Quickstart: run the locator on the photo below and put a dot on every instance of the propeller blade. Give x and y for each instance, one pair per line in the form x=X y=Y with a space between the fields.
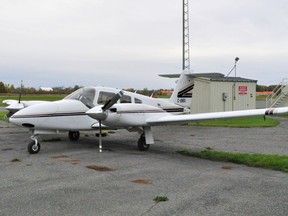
x=98 y=112
x=100 y=136
x=112 y=101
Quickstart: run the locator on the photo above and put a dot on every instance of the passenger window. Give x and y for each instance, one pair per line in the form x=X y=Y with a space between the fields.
x=104 y=97
x=125 y=99
x=138 y=101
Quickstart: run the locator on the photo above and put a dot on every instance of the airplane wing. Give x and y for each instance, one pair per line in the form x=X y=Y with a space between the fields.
x=9 y=102
x=14 y=105
x=175 y=119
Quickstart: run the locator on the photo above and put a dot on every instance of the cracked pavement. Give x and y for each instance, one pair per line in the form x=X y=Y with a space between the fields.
x=56 y=181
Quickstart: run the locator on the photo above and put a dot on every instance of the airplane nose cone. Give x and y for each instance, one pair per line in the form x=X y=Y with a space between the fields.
x=57 y=115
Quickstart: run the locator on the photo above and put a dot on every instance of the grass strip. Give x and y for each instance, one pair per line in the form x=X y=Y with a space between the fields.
x=247 y=122
x=27 y=97
x=273 y=162
x=3 y=116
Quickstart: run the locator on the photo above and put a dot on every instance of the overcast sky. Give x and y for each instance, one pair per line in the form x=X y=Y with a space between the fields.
x=127 y=43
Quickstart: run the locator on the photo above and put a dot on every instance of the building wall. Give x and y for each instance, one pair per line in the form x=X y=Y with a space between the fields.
x=245 y=99
x=201 y=96
x=217 y=91
x=208 y=96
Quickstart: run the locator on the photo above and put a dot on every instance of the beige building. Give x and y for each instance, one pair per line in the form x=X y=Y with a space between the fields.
x=218 y=94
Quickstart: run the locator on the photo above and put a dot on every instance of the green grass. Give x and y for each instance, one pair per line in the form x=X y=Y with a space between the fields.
x=284 y=115
x=161 y=199
x=274 y=162
x=44 y=97
x=15 y=160
x=261 y=97
x=3 y=116
x=247 y=122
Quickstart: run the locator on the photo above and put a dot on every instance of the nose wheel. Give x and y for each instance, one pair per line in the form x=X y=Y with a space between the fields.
x=34 y=146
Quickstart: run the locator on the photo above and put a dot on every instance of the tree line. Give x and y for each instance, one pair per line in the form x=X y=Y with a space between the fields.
x=10 y=89
x=7 y=88
x=263 y=88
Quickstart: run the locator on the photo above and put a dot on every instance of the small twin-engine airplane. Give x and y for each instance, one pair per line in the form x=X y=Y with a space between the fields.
x=94 y=108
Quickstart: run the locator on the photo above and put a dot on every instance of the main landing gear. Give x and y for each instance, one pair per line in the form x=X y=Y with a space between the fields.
x=74 y=135
x=142 y=145
x=34 y=146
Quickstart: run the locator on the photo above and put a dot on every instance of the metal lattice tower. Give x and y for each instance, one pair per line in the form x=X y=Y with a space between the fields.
x=186 y=51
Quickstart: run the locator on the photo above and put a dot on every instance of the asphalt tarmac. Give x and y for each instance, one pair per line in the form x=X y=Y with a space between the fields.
x=56 y=181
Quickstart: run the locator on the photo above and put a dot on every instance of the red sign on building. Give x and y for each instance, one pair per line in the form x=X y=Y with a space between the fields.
x=242 y=90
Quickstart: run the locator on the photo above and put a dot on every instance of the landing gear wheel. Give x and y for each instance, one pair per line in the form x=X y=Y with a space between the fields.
x=33 y=147
x=74 y=135
x=142 y=146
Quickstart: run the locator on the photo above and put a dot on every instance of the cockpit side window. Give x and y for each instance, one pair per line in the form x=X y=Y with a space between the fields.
x=125 y=99
x=85 y=95
x=138 y=101
x=104 y=97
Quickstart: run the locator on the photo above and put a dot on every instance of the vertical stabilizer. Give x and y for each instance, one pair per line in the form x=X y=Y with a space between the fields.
x=182 y=94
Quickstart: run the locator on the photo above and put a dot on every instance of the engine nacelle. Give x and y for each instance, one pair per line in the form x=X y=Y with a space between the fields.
x=129 y=115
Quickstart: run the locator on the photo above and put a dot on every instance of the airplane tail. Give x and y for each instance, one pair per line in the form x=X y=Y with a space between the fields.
x=182 y=94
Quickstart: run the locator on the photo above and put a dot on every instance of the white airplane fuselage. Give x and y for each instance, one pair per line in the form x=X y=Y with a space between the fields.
x=69 y=114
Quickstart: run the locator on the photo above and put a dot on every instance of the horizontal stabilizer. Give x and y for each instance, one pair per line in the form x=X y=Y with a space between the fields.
x=193 y=75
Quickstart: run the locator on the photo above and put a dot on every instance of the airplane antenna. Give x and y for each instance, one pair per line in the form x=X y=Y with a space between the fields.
x=186 y=50
x=20 y=93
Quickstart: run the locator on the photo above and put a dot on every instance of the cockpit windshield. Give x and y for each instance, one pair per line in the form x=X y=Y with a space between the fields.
x=85 y=95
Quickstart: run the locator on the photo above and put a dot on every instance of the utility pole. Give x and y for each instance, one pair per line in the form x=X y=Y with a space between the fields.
x=186 y=51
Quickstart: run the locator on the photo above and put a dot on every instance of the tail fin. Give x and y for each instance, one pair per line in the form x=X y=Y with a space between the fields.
x=182 y=94
x=183 y=91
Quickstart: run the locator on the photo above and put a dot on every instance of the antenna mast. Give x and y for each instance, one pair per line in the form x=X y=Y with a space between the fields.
x=186 y=51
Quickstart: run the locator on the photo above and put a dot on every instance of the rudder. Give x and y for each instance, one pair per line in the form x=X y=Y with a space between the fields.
x=183 y=92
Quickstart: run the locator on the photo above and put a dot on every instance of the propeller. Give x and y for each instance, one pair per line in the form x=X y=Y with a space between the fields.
x=99 y=113
x=112 y=101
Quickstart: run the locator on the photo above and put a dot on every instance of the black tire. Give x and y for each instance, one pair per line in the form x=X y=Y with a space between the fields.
x=33 y=148
x=142 y=146
x=74 y=135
